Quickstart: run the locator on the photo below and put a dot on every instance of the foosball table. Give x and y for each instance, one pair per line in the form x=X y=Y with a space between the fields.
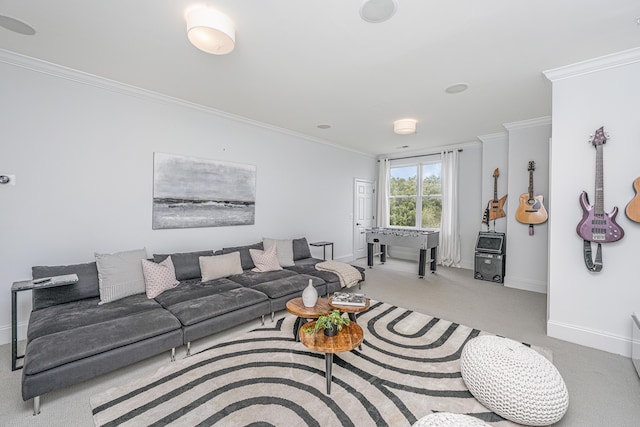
x=419 y=239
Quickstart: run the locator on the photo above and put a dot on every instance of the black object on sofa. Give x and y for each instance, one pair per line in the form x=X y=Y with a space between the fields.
x=71 y=338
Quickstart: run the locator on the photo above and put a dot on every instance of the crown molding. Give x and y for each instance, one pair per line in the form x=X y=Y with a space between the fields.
x=524 y=124
x=594 y=65
x=62 y=72
x=494 y=137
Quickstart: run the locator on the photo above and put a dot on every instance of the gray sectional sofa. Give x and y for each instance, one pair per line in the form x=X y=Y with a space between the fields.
x=71 y=338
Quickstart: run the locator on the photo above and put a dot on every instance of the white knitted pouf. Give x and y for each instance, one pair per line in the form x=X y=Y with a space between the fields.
x=514 y=381
x=447 y=419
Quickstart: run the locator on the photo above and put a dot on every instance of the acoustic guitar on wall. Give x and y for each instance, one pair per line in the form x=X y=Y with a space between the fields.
x=531 y=209
x=496 y=206
x=633 y=208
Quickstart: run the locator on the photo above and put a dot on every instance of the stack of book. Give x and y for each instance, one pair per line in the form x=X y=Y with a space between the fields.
x=344 y=298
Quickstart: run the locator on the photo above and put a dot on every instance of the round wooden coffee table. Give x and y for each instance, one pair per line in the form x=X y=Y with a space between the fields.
x=297 y=308
x=347 y=339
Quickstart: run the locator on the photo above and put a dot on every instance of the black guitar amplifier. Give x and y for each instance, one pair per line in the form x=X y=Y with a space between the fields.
x=489 y=267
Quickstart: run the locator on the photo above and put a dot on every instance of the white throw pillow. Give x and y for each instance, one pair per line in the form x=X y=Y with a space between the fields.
x=265 y=260
x=217 y=266
x=120 y=274
x=159 y=277
x=284 y=250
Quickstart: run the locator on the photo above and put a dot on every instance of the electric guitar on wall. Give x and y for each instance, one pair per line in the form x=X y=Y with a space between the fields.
x=496 y=205
x=531 y=210
x=597 y=225
x=633 y=208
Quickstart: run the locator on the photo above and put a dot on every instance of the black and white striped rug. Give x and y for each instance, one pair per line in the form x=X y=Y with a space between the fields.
x=408 y=367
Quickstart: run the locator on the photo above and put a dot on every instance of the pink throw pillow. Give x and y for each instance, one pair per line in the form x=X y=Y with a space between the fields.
x=159 y=277
x=265 y=260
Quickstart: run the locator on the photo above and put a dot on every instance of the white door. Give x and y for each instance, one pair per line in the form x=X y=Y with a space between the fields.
x=364 y=217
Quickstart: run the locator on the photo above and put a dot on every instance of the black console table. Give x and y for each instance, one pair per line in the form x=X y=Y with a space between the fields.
x=27 y=285
x=324 y=248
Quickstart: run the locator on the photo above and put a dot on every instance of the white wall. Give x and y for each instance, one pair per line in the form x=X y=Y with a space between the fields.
x=588 y=308
x=82 y=152
x=526 y=266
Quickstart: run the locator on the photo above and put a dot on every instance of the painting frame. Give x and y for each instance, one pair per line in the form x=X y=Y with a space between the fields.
x=193 y=192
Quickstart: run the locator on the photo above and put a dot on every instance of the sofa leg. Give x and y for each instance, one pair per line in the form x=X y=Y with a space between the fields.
x=36 y=405
x=189 y=349
x=272 y=316
x=173 y=354
x=263 y=320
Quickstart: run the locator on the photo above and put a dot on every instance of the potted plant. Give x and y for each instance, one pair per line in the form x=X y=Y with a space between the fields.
x=331 y=322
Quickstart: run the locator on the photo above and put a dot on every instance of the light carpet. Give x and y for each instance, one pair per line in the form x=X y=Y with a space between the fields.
x=408 y=367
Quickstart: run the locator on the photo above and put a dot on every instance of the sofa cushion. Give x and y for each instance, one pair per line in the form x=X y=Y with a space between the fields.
x=196 y=310
x=187 y=264
x=87 y=286
x=284 y=250
x=218 y=266
x=159 y=277
x=251 y=278
x=245 y=257
x=266 y=260
x=120 y=274
x=85 y=312
x=287 y=285
x=301 y=249
x=193 y=289
x=56 y=349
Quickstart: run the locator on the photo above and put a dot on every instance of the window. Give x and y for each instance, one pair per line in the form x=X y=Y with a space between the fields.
x=406 y=182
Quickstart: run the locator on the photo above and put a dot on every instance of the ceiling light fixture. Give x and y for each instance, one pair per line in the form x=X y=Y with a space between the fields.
x=405 y=126
x=17 y=26
x=324 y=126
x=210 y=31
x=376 y=11
x=457 y=88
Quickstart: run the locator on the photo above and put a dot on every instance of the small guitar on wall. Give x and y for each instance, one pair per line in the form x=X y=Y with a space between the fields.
x=531 y=210
x=597 y=225
x=633 y=208
x=496 y=206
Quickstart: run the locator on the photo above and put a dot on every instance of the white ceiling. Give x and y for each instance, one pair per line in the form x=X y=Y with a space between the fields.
x=300 y=63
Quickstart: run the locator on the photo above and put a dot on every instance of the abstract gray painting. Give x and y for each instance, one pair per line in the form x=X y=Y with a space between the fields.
x=190 y=192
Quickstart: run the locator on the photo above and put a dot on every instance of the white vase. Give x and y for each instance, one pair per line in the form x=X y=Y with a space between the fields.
x=309 y=295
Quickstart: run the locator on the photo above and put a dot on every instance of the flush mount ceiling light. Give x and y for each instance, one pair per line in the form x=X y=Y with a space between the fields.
x=17 y=26
x=376 y=11
x=210 y=31
x=457 y=88
x=405 y=126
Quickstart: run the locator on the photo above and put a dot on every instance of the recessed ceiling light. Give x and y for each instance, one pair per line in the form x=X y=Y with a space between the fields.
x=324 y=126
x=17 y=26
x=402 y=146
x=376 y=11
x=457 y=88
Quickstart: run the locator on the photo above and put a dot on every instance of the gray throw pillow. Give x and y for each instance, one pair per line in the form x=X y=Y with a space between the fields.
x=215 y=267
x=301 y=249
x=245 y=256
x=187 y=264
x=120 y=274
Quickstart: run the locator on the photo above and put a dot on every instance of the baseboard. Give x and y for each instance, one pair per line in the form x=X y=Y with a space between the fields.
x=5 y=332
x=590 y=338
x=526 y=284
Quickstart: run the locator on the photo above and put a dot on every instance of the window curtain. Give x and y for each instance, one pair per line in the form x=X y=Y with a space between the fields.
x=383 y=193
x=449 y=250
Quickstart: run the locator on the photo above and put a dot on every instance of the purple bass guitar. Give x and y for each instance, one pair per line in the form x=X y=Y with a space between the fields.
x=597 y=225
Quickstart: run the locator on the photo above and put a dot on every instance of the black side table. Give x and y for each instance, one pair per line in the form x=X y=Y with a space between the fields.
x=324 y=248
x=26 y=285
